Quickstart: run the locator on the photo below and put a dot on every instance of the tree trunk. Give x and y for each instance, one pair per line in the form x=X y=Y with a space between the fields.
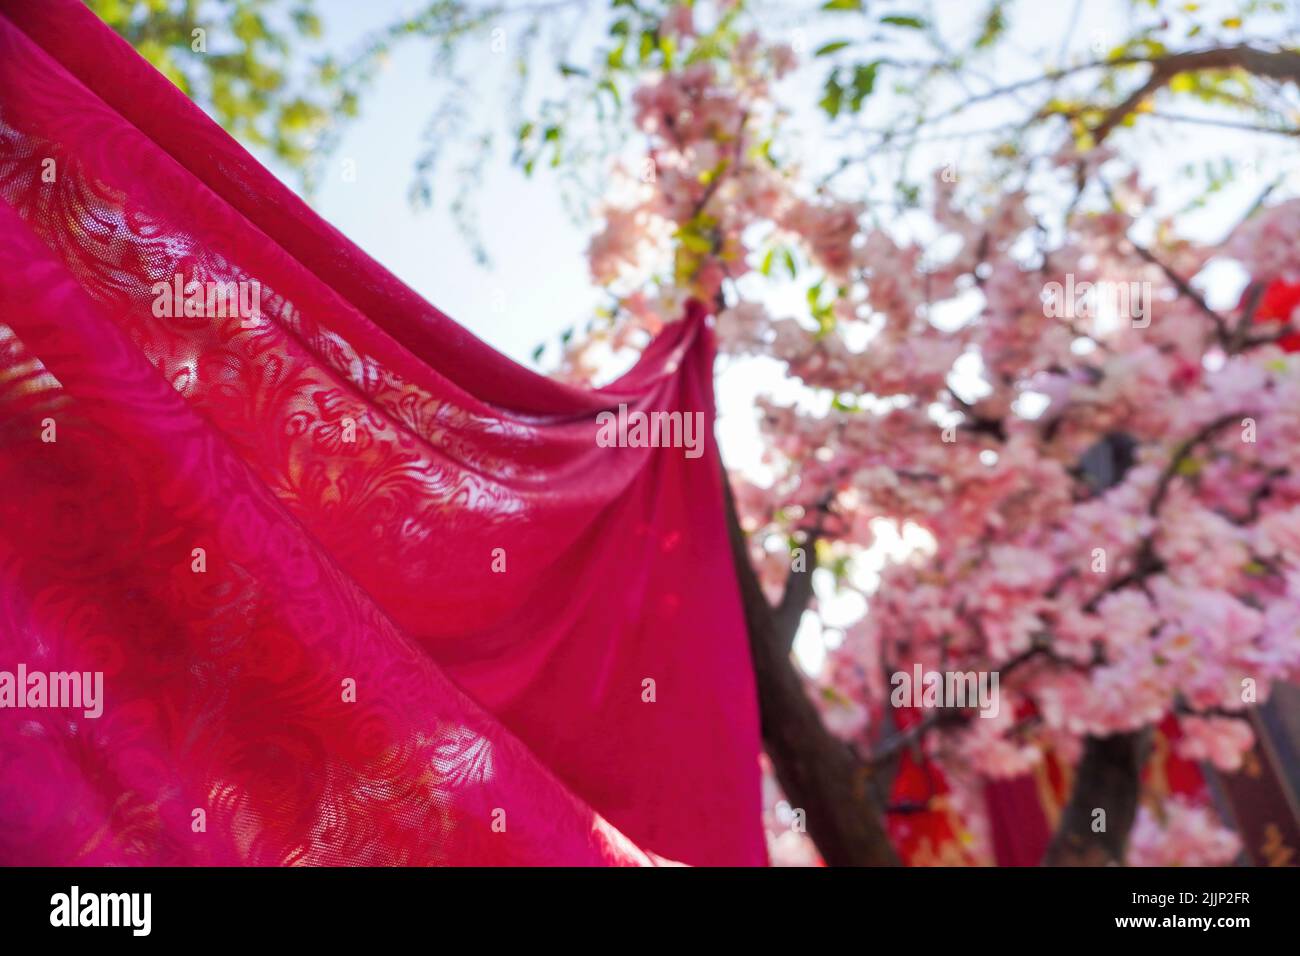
x=1109 y=774
x=819 y=773
x=1107 y=779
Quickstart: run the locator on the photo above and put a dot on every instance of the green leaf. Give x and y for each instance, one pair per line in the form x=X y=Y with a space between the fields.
x=812 y=294
x=864 y=81
x=609 y=87
x=833 y=47
x=833 y=99
x=695 y=242
x=842 y=5
x=668 y=47
x=308 y=23
x=912 y=23
x=995 y=24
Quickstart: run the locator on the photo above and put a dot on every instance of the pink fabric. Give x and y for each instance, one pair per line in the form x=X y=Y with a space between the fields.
x=482 y=696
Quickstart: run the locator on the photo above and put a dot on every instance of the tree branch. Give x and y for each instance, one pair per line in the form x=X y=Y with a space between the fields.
x=1280 y=65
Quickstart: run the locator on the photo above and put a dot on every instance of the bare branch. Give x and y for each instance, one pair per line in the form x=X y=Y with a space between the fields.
x=1280 y=65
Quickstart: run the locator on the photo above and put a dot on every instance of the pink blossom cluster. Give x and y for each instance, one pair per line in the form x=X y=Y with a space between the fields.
x=1220 y=741
x=1269 y=244
x=1105 y=609
x=1188 y=835
x=1105 y=603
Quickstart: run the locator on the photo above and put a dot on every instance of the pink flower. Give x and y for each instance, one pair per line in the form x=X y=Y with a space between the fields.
x=986 y=745
x=679 y=22
x=616 y=248
x=1187 y=835
x=743 y=327
x=1268 y=244
x=828 y=230
x=1222 y=741
x=783 y=59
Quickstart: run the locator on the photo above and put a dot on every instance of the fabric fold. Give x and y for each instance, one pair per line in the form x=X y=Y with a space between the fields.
x=360 y=589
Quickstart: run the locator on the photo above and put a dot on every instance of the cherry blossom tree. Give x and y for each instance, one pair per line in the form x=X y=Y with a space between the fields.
x=1101 y=464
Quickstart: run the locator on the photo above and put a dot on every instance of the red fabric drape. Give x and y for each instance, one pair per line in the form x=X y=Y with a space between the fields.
x=360 y=589
x=1018 y=824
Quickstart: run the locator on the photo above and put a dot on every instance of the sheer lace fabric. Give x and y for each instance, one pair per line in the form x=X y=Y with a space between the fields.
x=360 y=589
